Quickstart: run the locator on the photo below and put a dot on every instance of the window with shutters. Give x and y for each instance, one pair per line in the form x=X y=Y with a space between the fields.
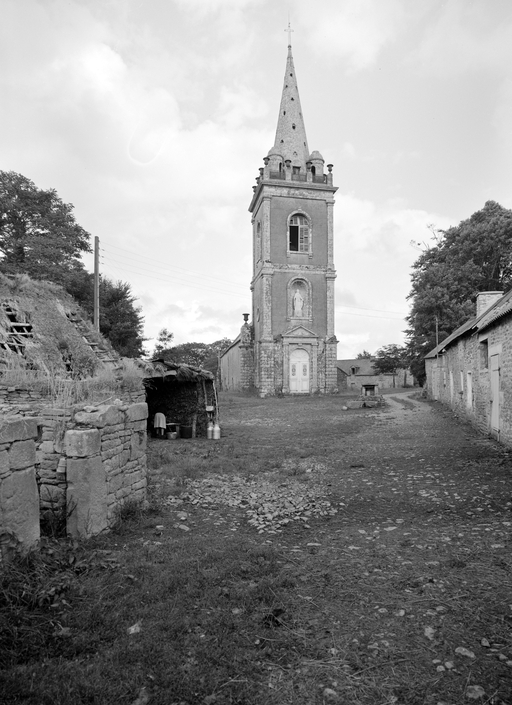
x=299 y=234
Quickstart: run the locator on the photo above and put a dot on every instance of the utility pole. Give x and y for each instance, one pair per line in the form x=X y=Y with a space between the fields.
x=97 y=283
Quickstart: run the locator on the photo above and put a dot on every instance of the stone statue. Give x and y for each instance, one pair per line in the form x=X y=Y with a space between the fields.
x=298 y=303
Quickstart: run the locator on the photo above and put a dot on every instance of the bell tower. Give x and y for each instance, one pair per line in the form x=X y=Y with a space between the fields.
x=293 y=260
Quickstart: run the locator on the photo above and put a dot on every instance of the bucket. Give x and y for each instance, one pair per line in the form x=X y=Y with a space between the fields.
x=186 y=431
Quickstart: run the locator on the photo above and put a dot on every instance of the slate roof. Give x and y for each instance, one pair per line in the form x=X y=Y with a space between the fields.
x=365 y=365
x=500 y=308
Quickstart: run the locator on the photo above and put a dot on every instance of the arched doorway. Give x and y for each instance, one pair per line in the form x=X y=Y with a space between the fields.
x=299 y=372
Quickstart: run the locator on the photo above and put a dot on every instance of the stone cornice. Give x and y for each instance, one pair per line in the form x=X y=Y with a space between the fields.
x=291 y=189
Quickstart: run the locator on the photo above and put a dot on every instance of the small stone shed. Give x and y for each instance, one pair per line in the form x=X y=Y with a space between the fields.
x=185 y=394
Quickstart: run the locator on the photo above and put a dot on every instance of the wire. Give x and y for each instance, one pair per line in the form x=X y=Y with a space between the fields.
x=193 y=285
x=186 y=271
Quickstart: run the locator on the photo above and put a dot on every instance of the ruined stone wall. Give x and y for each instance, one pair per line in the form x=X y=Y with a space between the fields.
x=91 y=460
x=81 y=464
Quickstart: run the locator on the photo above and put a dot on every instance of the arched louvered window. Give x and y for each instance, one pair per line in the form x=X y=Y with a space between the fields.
x=299 y=234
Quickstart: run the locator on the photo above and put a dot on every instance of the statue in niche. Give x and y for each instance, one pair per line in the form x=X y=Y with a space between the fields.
x=298 y=304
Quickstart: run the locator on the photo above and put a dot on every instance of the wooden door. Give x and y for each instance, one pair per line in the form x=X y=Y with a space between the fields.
x=299 y=372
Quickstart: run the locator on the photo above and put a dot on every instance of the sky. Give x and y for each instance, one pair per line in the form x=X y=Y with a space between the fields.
x=152 y=117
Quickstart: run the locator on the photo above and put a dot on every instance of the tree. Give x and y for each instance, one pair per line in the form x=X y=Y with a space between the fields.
x=163 y=342
x=474 y=256
x=40 y=236
x=196 y=354
x=390 y=358
x=121 y=321
x=38 y=231
x=364 y=355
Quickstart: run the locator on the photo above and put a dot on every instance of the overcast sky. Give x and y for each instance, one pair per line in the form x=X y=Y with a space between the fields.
x=153 y=116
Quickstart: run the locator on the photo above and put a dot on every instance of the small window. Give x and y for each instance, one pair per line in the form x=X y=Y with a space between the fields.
x=296 y=169
x=298 y=234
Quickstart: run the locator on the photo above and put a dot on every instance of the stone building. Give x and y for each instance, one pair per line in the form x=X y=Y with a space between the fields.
x=290 y=347
x=471 y=370
x=359 y=375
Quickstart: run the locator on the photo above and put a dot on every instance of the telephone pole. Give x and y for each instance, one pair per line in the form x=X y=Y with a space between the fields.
x=97 y=283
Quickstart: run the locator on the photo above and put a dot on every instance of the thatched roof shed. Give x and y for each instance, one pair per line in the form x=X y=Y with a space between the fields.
x=184 y=393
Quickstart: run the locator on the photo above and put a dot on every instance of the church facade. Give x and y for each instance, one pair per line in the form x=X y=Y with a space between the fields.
x=290 y=345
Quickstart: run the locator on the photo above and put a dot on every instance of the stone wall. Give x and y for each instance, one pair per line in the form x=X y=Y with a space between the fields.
x=461 y=378
x=19 y=498
x=79 y=465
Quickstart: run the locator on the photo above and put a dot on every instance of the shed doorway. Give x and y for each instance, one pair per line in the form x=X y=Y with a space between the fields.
x=299 y=372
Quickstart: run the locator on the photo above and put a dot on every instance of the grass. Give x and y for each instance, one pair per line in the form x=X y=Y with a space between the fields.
x=220 y=614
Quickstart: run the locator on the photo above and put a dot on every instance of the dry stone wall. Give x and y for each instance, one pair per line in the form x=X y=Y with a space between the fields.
x=81 y=463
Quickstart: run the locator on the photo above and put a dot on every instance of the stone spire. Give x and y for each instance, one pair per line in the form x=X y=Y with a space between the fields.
x=291 y=141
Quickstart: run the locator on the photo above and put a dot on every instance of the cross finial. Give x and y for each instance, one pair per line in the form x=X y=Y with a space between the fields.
x=289 y=30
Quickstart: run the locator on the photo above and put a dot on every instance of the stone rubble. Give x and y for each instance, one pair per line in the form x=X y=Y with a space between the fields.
x=269 y=503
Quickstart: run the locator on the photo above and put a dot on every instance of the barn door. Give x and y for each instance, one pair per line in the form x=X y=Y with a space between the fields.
x=495 y=395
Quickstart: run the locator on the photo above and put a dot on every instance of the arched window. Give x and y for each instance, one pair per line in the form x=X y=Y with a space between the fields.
x=299 y=234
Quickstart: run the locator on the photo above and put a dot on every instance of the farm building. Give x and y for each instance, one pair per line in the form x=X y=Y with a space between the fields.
x=471 y=370
x=359 y=375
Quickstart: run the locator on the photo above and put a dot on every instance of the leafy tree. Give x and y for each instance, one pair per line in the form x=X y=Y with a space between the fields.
x=121 y=321
x=364 y=355
x=474 y=256
x=163 y=342
x=196 y=354
x=38 y=231
x=390 y=358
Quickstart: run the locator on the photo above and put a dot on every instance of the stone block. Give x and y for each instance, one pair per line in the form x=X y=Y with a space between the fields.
x=22 y=454
x=105 y=415
x=124 y=457
x=138 y=445
x=82 y=443
x=16 y=428
x=4 y=462
x=140 y=485
x=138 y=425
x=115 y=483
x=52 y=496
x=136 y=412
x=19 y=506
x=86 y=497
x=47 y=447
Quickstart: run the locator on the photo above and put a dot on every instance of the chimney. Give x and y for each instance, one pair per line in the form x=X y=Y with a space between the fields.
x=485 y=299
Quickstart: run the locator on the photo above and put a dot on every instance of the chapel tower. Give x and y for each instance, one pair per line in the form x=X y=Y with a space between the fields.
x=294 y=344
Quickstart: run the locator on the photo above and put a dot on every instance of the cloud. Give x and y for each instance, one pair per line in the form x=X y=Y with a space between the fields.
x=464 y=37
x=355 y=30
x=373 y=257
